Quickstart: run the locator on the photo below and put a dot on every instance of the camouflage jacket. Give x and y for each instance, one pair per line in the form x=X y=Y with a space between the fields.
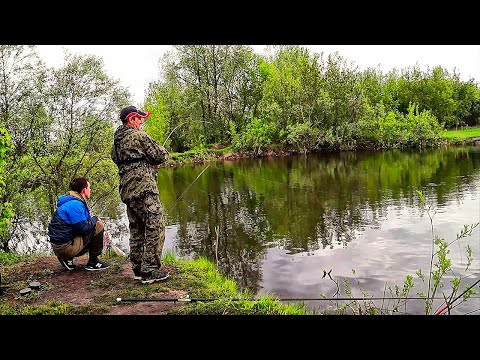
x=137 y=157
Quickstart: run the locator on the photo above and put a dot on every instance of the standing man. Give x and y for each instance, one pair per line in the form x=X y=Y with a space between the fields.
x=72 y=231
x=138 y=157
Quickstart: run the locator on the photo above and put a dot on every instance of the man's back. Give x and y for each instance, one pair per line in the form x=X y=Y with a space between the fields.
x=71 y=218
x=137 y=156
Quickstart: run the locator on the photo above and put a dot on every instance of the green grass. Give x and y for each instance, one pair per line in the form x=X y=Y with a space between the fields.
x=462 y=134
x=202 y=280
x=12 y=258
x=199 y=278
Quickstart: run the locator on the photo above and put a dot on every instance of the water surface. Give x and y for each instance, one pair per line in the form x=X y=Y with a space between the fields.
x=274 y=225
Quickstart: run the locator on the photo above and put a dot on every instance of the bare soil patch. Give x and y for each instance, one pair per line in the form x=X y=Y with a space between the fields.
x=80 y=287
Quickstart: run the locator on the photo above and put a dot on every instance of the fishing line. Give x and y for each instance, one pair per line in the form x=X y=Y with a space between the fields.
x=180 y=197
x=263 y=179
x=471 y=312
x=183 y=123
x=188 y=182
x=219 y=169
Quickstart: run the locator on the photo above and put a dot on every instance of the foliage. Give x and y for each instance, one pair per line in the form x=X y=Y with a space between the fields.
x=61 y=128
x=20 y=80
x=203 y=278
x=291 y=86
x=300 y=87
x=9 y=258
x=208 y=283
x=6 y=208
x=156 y=124
x=394 y=303
x=312 y=100
x=78 y=134
x=451 y=101
x=261 y=306
x=256 y=137
x=301 y=136
x=205 y=87
x=394 y=130
x=51 y=308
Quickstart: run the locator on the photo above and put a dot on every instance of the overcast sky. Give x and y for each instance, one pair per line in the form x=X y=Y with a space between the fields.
x=137 y=65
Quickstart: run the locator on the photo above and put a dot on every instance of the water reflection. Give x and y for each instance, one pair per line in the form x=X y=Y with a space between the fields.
x=341 y=211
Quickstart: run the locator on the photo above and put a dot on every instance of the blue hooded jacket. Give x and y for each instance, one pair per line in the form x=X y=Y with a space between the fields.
x=72 y=218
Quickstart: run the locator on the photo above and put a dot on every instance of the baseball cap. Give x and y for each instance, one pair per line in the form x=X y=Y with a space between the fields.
x=132 y=111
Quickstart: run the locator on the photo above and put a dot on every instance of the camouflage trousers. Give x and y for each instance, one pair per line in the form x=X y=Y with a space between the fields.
x=147 y=233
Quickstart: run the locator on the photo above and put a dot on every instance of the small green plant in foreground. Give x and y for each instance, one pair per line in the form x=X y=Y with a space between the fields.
x=398 y=297
x=440 y=265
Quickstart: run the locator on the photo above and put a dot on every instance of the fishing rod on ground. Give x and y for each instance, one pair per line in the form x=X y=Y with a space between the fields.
x=448 y=305
x=471 y=312
x=186 y=298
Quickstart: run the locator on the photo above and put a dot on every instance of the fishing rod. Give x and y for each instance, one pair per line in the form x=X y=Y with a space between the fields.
x=107 y=239
x=458 y=297
x=186 y=298
x=107 y=236
x=471 y=312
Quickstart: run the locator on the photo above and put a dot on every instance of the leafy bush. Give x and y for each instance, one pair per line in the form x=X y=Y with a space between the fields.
x=255 y=138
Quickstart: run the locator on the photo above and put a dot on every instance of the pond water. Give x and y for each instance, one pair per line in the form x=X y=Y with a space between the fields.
x=278 y=225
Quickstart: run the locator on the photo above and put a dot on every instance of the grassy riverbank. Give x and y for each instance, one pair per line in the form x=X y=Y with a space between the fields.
x=462 y=136
x=194 y=287
x=214 y=152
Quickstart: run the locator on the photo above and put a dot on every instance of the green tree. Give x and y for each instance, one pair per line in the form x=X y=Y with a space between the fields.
x=75 y=129
x=453 y=102
x=6 y=209
x=21 y=85
x=62 y=123
x=211 y=89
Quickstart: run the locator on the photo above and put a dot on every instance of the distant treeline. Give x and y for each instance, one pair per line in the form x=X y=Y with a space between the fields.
x=56 y=124
x=295 y=99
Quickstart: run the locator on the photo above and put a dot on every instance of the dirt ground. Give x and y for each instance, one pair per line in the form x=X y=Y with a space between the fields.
x=75 y=287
